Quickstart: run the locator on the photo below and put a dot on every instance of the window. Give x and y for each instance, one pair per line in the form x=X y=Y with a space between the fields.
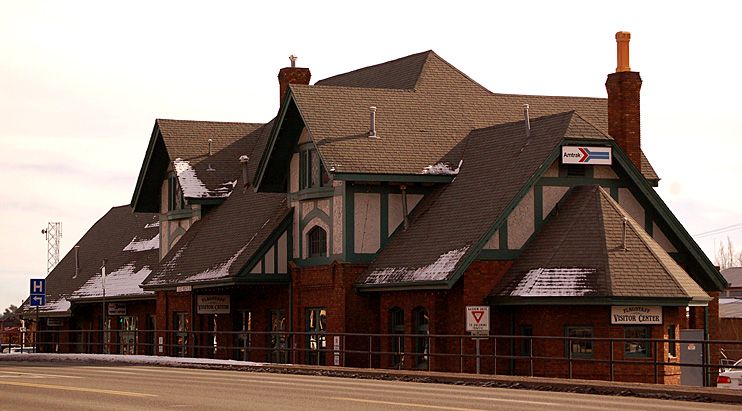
x=396 y=326
x=316 y=339
x=672 y=350
x=422 y=343
x=576 y=170
x=317 y=238
x=579 y=347
x=312 y=172
x=175 y=199
x=525 y=345
x=637 y=343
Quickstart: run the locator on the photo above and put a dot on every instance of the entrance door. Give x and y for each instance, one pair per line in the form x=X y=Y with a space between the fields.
x=316 y=339
x=278 y=337
x=128 y=335
x=691 y=353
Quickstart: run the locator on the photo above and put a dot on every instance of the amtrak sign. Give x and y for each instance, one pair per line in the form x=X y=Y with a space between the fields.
x=587 y=155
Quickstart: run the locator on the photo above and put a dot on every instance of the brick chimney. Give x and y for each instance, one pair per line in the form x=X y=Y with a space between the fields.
x=623 y=102
x=291 y=75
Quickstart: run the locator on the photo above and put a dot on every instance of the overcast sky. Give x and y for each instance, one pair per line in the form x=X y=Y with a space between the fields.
x=81 y=84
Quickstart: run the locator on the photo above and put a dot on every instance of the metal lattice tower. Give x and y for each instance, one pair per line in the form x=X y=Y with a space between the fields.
x=53 y=233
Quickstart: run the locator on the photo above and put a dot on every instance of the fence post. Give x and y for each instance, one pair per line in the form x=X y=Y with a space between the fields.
x=612 y=360
x=569 y=357
x=656 y=359
x=530 y=356
x=369 y=351
x=461 y=355
x=344 y=350
x=494 y=355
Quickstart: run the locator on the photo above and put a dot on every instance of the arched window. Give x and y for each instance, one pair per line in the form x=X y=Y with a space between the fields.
x=422 y=342
x=396 y=326
x=317 y=239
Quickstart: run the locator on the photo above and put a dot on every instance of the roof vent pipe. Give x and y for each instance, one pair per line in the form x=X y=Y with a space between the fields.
x=77 y=261
x=372 y=128
x=209 y=168
x=406 y=221
x=245 y=182
x=623 y=241
x=527 y=119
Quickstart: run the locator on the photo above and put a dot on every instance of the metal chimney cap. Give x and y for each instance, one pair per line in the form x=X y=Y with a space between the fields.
x=293 y=60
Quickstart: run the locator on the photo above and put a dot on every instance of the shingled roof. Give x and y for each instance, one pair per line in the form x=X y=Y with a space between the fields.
x=425 y=108
x=497 y=163
x=581 y=251
x=185 y=145
x=130 y=244
x=216 y=248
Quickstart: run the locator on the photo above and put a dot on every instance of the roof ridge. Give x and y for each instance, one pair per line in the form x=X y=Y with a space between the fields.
x=589 y=123
x=209 y=121
x=381 y=89
x=375 y=66
x=466 y=76
x=641 y=234
x=550 y=96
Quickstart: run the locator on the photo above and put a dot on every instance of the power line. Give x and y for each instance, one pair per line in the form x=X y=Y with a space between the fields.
x=719 y=230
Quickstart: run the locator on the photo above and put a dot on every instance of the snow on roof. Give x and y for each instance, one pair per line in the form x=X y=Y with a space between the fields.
x=193 y=187
x=143 y=245
x=443 y=168
x=437 y=271
x=61 y=305
x=121 y=282
x=554 y=282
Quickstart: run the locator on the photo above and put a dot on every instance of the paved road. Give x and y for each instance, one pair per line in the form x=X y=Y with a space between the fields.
x=79 y=387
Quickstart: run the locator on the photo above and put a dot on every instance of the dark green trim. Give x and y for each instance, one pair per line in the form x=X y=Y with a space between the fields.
x=503 y=236
x=179 y=214
x=263 y=164
x=614 y=193
x=397 y=178
x=145 y=166
x=420 y=285
x=663 y=212
x=580 y=181
x=206 y=201
x=312 y=193
x=348 y=222
x=271 y=241
x=538 y=207
x=311 y=261
x=485 y=254
x=659 y=301
x=648 y=219
x=384 y=220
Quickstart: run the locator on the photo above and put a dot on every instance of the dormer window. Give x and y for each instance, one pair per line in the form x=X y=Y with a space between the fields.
x=175 y=200
x=317 y=238
x=312 y=172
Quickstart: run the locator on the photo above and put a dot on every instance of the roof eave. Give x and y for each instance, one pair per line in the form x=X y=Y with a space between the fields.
x=406 y=286
x=600 y=300
x=394 y=178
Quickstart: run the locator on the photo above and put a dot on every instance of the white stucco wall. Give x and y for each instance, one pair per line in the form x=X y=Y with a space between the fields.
x=395 y=209
x=553 y=170
x=270 y=267
x=551 y=196
x=629 y=203
x=294 y=173
x=605 y=172
x=662 y=239
x=521 y=222
x=367 y=215
x=494 y=242
x=337 y=224
x=283 y=254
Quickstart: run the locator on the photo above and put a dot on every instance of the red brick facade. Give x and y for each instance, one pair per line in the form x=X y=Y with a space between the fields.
x=623 y=112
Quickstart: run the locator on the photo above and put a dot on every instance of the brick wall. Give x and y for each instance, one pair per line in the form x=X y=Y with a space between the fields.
x=623 y=112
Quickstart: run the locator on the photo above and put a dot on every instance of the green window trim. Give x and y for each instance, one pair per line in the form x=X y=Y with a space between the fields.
x=637 y=344
x=581 y=347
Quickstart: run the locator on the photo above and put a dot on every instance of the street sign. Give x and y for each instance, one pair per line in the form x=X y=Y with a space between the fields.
x=478 y=320
x=38 y=292
x=38 y=286
x=38 y=300
x=587 y=155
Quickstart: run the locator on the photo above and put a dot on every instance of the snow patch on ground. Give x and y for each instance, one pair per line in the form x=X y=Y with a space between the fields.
x=125 y=359
x=143 y=245
x=554 y=282
x=437 y=271
x=121 y=282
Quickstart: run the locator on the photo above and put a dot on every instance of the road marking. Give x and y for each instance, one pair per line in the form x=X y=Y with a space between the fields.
x=79 y=389
x=404 y=404
x=19 y=374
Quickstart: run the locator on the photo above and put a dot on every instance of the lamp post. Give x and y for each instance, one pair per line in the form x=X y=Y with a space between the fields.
x=104 y=348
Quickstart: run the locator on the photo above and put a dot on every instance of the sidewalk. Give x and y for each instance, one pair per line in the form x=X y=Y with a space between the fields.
x=670 y=392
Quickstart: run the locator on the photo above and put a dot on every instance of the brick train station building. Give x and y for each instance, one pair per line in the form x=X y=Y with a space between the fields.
x=385 y=201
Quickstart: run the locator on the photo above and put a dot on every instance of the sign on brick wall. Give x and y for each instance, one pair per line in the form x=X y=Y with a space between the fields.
x=212 y=304
x=636 y=314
